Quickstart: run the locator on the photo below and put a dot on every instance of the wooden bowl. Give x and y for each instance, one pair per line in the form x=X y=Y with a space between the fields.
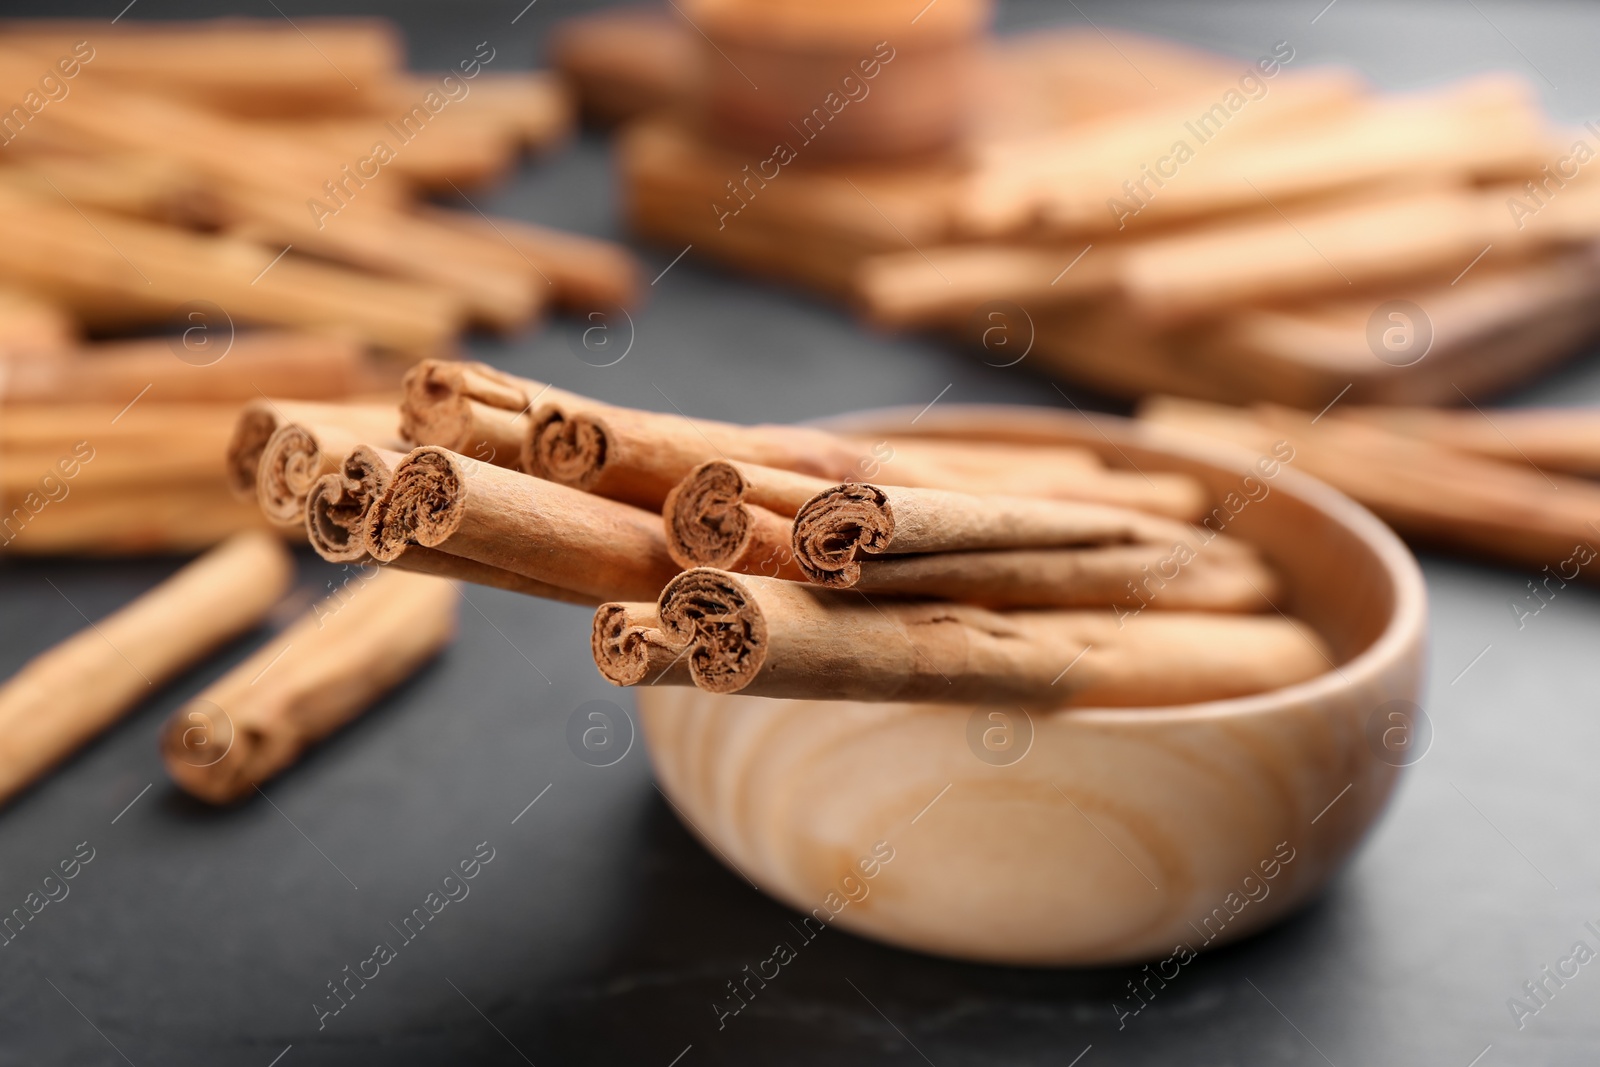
x=829 y=80
x=1116 y=834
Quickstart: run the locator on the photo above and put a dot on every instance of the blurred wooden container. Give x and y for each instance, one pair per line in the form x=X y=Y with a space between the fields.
x=839 y=79
x=1119 y=834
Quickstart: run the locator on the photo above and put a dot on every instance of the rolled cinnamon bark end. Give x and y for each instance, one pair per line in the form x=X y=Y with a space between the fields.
x=301 y=451
x=469 y=408
x=338 y=504
x=257 y=423
x=327 y=669
x=67 y=695
x=767 y=637
x=711 y=521
x=630 y=648
x=639 y=456
x=840 y=526
x=588 y=545
x=569 y=448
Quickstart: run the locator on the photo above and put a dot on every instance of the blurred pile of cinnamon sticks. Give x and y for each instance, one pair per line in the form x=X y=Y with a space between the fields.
x=1139 y=216
x=198 y=180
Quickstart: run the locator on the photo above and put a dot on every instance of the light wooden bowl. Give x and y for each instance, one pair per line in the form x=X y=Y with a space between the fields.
x=1122 y=833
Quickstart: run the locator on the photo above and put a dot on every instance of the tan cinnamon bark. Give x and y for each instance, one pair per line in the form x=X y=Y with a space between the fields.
x=33 y=326
x=1053 y=471
x=737 y=517
x=1430 y=494
x=768 y=637
x=310 y=444
x=298 y=366
x=471 y=408
x=630 y=648
x=1557 y=439
x=132 y=521
x=323 y=672
x=261 y=418
x=340 y=505
x=585 y=273
x=65 y=696
x=508 y=520
x=1019 y=552
x=49 y=249
x=638 y=456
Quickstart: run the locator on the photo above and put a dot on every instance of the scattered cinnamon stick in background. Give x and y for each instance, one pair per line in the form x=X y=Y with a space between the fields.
x=1430 y=493
x=767 y=637
x=295 y=366
x=325 y=670
x=64 y=697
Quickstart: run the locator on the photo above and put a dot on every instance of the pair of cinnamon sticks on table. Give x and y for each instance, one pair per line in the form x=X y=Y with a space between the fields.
x=995 y=587
x=255 y=720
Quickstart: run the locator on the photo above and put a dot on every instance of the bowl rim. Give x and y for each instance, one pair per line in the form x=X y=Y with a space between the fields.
x=1407 y=624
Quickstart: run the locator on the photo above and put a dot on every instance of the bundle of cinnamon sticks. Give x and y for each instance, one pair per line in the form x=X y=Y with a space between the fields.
x=789 y=560
x=1228 y=235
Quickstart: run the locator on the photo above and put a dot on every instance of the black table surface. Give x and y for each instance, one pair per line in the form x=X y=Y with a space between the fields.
x=601 y=932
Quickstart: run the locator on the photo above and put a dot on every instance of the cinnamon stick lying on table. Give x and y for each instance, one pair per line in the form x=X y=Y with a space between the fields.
x=510 y=521
x=586 y=273
x=299 y=366
x=1428 y=493
x=63 y=697
x=324 y=671
x=1559 y=439
x=768 y=637
x=340 y=505
x=1019 y=552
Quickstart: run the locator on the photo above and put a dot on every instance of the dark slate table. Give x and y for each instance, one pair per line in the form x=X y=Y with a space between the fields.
x=600 y=932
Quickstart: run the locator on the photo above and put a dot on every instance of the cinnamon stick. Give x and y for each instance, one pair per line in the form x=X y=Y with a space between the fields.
x=1433 y=495
x=631 y=649
x=768 y=637
x=470 y=408
x=261 y=418
x=324 y=671
x=1558 y=439
x=1018 y=552
x=508 y=520
x=737 y=517
x=67 y=695
x=585 y=273
x=340 y=505
x=311 y=445
x=291 y=365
